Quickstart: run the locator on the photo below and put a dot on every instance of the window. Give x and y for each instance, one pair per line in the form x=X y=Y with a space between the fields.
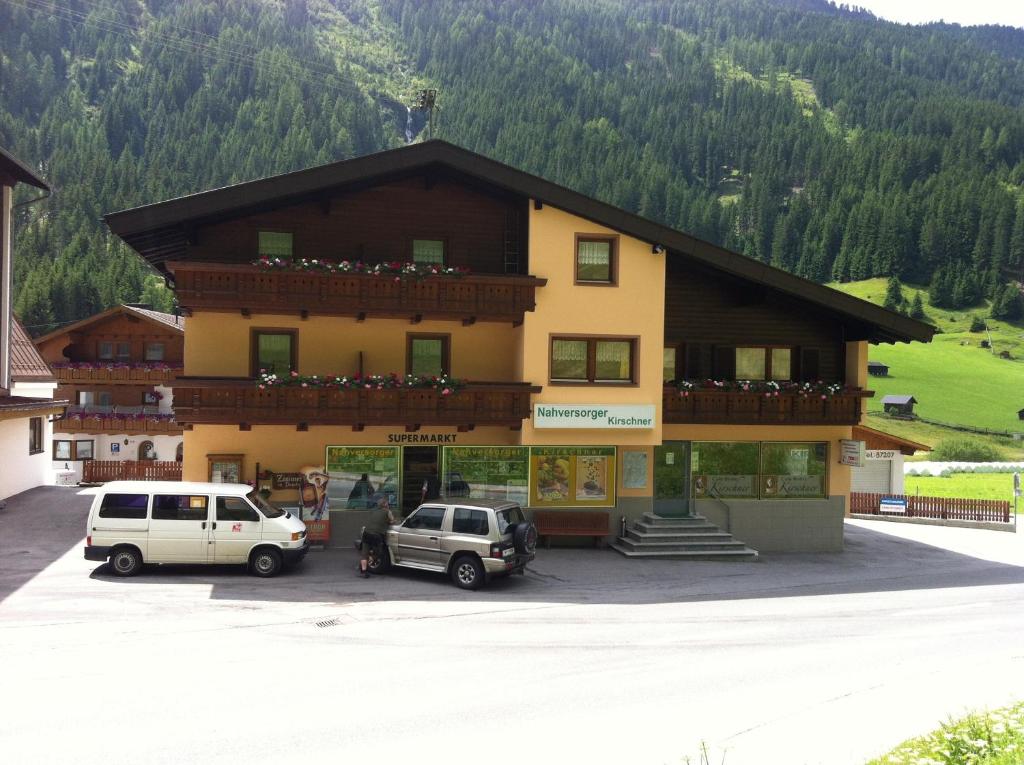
x=124 y=351
x=467 y=521
x=225 y=468
x=105 y=350
x=764 y=470
x=763 y=363
x=124 y=506
x=273 y=351
x=84 y=450
x=150 y=398
x=235 y=509
x=508 y=518
x=427 y=355
x=95 y=398
x=595 y=260
x=592 y=360
x=793 y=470
x=179 y=507
x=179 y=453
x=668 y=365
x=154 y=351
x=35 y=435
x=428 y=518
x=275 y=244
x=147 y=451
x=428 y=251
x=62 y=450
x=73 y=450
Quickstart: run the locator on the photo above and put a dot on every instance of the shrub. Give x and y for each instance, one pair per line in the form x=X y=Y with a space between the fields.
x=977 y=324
x=965 y=450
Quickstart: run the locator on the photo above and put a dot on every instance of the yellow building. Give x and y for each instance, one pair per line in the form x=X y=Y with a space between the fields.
x=439 y=321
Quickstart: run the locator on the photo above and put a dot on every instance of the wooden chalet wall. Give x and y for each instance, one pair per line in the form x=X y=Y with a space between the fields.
x=703 y=311
x=83 y=344
x=379 y=224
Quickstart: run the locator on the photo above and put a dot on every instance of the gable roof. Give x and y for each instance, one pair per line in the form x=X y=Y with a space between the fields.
x=160 y=232
x=162 y=320
x=895 y=399
x=26 y=363
x=877 y=439
x=876 y=365
x=14 y=170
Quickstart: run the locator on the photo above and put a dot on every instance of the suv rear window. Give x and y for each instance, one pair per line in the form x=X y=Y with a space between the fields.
x=509 y=517
x=124 y=506
x=469 y=521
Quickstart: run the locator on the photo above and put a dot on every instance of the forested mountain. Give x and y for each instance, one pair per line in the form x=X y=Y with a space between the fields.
x=817 y=138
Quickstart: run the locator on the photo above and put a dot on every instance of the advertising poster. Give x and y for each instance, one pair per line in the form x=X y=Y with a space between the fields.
x=634 y=470
x=566 y=476
x=360 y=476
x=313 y=493
x=486 y=472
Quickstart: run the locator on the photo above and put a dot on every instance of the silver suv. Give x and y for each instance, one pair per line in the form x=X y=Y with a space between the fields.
x=471 y=540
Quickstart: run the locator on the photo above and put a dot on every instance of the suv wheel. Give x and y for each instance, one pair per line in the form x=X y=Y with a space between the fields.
x=467 y=572
x=378 y=560
x=525 y=538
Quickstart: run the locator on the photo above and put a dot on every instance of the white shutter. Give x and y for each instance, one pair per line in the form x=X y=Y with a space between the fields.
x=875 y=477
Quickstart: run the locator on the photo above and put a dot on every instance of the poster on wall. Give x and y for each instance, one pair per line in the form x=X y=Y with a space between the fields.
x=634 y=470
x=487 y=472
x=360 y=476
x=313 y=492
x=566 y=476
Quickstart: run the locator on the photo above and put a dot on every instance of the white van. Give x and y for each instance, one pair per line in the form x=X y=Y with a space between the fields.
x=137 y=522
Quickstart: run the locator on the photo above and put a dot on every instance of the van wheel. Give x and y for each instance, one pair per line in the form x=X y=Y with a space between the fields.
x=265 y=562
x=467 y=572
x=126 y=561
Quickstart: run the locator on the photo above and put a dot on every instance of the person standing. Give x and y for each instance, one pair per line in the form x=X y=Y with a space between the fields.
x=431 y=486
x=374 y=534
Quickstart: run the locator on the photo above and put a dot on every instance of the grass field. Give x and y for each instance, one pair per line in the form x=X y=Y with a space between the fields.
x=964 y=485
x=931 y=435
x=953 y=379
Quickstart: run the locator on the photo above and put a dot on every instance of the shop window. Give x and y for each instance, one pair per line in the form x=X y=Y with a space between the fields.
x=154 y=351
x=595 y=260
x=225 y=468
x=725 y=470
x=179 y=507
x=793 y=470
x=763 y=363
x=62 y=450
x=428 y=251
x=105 y=350
x=273 y=351
x=35 y=435
x=592 y=360
x=147 y=451
x=765 y=470
x=124 y=506
x=428 y=355
x=95 y=398
x=275 y=244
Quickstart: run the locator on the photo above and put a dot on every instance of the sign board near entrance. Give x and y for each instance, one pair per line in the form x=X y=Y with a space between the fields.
x=892 y=505
x=594 y=416
x=851 y=452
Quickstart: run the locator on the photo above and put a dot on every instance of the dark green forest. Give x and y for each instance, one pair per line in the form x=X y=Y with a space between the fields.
x=819 y=139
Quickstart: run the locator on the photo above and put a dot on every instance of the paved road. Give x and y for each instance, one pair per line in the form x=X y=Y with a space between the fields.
x=589 y=657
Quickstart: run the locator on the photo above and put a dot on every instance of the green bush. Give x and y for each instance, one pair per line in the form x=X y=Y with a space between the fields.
x=977 y=324
x=965 y=450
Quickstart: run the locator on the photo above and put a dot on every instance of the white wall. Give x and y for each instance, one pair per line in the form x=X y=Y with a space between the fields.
x=34 y=389
x=166 y=450
x=20 y=471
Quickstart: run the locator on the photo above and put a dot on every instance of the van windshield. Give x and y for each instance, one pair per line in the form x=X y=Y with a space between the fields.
x=268 y=508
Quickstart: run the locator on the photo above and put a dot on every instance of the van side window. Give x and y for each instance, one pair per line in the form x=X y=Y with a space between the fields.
x=235 y=509
x=467 y=521
x=124 y=506
x=179 y=507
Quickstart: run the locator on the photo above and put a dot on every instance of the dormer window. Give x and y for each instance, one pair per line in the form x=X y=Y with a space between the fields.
x=275 y=244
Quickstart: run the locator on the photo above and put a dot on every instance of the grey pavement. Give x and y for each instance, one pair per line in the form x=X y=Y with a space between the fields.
x=824 y=658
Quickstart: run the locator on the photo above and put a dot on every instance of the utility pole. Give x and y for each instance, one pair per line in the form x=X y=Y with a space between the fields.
x=427 y=101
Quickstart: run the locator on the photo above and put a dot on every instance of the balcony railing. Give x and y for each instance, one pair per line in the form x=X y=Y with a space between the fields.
x=742 y=408
x=117 y=419
x=101 y=471
x=246 y=288
x=241 y=401
x=115 y=373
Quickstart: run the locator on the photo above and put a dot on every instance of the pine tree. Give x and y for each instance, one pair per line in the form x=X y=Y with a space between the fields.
x=894 y=294
x=917 y=307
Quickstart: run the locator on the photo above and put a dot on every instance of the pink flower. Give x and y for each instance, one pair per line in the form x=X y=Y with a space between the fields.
x=294 y=373
x=823 y=396
x=263 y=387
x=446 y=391
x=304 y=385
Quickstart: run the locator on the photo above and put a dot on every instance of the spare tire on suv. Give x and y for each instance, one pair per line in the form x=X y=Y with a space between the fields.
x=525 y=538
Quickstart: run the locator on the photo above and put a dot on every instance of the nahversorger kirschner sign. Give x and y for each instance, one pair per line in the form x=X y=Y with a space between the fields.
x=602 y=416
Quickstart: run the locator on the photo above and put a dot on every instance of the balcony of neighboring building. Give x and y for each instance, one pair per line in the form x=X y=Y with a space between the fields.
x=129 y=420
x=115 y=372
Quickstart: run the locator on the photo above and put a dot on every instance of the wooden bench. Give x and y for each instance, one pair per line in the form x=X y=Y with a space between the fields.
x=571 y=523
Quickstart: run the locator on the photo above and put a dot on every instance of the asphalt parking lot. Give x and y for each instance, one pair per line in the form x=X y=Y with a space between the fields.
x=826 y=658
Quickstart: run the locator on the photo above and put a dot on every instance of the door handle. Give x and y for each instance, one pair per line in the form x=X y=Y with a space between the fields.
x=204 y=524
x=433 y=539
x=214 y=524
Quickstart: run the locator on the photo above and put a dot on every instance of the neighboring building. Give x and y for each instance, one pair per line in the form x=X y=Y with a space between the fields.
x=899 y=405
x=26 y=384
x=882 y=472
x=1020 y=414
x=878 y=369
x=116 y=369
x=583 y=333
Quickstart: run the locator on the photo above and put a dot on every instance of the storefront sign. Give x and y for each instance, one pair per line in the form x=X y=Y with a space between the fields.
x=881 y=454
x=851 y=452
x=892 y=505
x=795 y=486
x=286 y=480
x=594 y=416
x=486 y=472
x=422 y=438
x=725 y=486
x=318 y=532
x=566 y=476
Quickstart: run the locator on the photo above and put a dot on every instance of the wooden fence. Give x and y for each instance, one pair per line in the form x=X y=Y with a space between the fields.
x=943 y=508
x=101 y=471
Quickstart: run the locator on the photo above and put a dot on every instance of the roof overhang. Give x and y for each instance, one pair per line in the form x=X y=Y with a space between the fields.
x=877 y=439
x=15 y=407
x=13 y=170
x=161 y=232
x=118 y=310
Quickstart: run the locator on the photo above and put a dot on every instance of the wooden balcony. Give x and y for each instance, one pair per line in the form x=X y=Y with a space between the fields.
x=108 y=420
x=741 y=408
x=116 y=375
x=241 y=402
x=248 y=289
x=101 y=471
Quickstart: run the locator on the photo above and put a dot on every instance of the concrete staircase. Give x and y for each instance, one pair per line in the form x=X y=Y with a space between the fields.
x=687 y=538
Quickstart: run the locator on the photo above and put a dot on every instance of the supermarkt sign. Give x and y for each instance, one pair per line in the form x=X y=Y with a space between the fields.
x=594 y=416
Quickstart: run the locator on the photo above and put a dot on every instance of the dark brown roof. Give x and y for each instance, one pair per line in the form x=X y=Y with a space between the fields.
x=160 y=232
x=876 y=439
x=13 y=170
x=163 y=320
x=12 y=407
x=26 y=363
